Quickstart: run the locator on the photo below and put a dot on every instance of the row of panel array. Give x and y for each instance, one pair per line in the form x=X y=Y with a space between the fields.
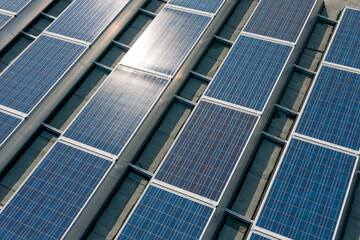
x=31 y=77
x=253 y=67
x=206 y=152
x=204 y=155
x=58 y=189
x=306 y=199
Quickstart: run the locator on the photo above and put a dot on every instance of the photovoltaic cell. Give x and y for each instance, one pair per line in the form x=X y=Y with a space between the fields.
x=207 y=150
x=86 y=19
x=281 y=19
x=36 y=71
x=345 y=48
x=116 y=110
x=167 y=41
x=211 y=6
x=13 y=6
x=308 y=192
x=164 y=215
x=249 y=72
x=7 y=125
x=53 y=195
x=4 y=19
x=332 y=112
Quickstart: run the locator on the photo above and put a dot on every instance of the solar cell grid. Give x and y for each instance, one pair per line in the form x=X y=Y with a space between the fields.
x=249 y=72
x=281 y=19
x=164 y=215
x=4 y=19
x=7 y=125
x=332 y=112
x=211 y=6
x=206 y=151
x=345 y=47
x=13 y=6
x=167 y=41
x=308 y=192
x=86 y=19
x=36 y=71
x=116 y=110
x=53 y=195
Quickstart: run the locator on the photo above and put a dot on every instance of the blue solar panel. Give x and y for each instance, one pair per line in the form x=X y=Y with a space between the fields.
x=53 y=195
x=86 y=19
x=167 y=42
x=116 y=110
x=332 y=112
x=13 y=5
x=7 y=125
x=36 y=71
x=4 y=19
x=211 y=6
x=308 y=192
x=345 y=48
x=207 y=150
x=164 y=215
x=255 y=236
x=249 y=72
x=281 y=19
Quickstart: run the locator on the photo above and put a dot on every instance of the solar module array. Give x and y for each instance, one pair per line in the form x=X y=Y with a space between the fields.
x=249 y=72
x=310 y=188
x=13 y=6
x=8 y=124
x=332 y=112
x=308 y=192
x=112 y=116
x=255 y=236
x=206 y=151
x=210 y=6
x=161 y=51
x=164 y=215
x=51 y=198
x=29 y=78
x=345 y=47
x=280 y=19
x=86 y=19
x=4 y=19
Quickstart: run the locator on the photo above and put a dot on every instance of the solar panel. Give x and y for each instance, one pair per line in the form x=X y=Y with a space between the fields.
x=332 y=112
x=116 y=110
x=345 y=48
x=308 y=192
x=164 y=215
x=86 y=19
x=13 y=6
x=7 y=125
x=281 y=19
x=211 y=6
x=249 y=72
x=53 y=195
x=36 y=71
x=4 y=19
x=255 y=236
x=207 y=150
x=167 y=41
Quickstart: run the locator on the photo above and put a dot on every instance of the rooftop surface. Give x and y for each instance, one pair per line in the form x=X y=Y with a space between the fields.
x=147 y=164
